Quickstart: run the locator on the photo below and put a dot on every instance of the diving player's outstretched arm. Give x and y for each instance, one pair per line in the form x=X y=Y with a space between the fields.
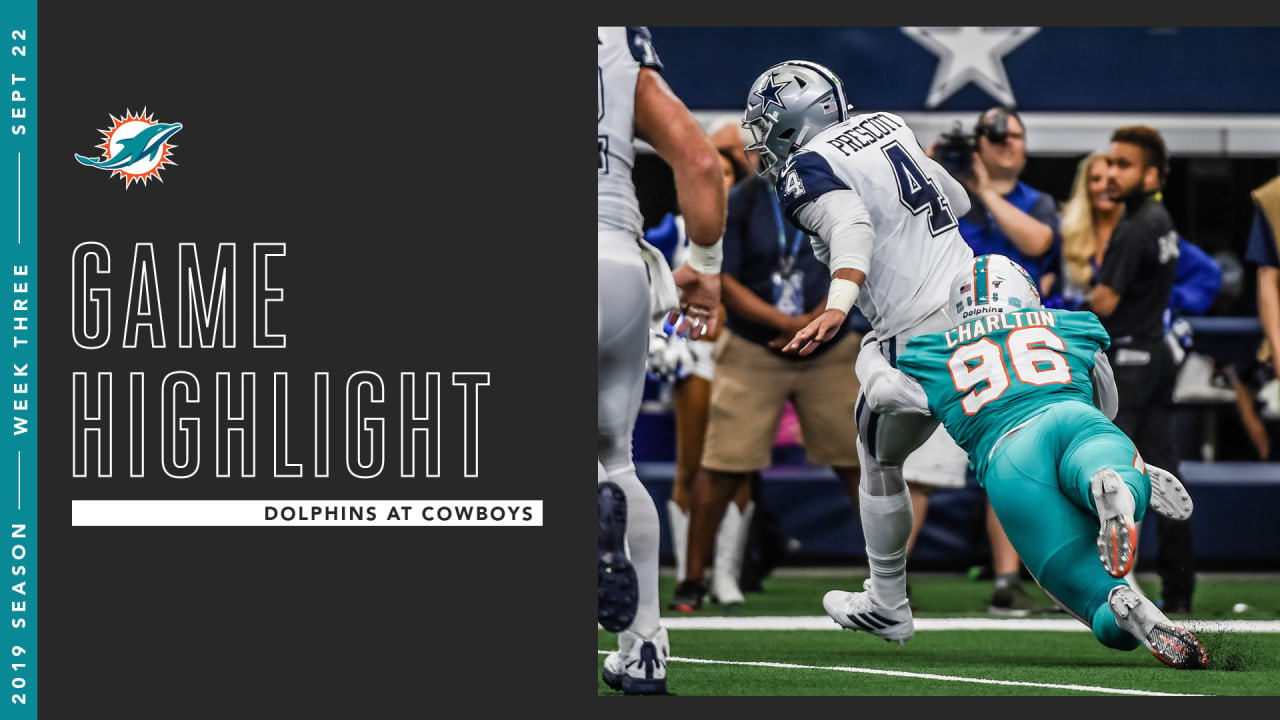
x=664 y=122
x=1105 y=395
x=888 y=390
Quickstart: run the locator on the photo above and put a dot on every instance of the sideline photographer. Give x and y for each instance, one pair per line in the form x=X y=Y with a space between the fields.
x=1008 y=216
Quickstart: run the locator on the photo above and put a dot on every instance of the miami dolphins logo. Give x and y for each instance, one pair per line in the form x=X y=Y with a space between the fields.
x=135 y=148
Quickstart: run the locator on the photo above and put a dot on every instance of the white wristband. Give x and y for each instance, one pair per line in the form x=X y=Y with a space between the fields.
x=706 y=259
x=842 y=295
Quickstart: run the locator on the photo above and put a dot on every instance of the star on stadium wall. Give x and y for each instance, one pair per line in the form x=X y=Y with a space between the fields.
x=970 y=54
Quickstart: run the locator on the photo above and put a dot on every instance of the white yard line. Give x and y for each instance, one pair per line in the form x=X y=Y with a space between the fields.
x=851 y=576
x=923 y=676
x=822 y=622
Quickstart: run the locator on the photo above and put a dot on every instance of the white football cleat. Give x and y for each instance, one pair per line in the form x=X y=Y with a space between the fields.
x=860 y=611
x=1173 y=645
x=638 y=667
x=1118 y=538
x=1168 y=496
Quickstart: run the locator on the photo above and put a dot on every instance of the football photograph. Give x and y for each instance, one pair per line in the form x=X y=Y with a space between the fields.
x=938 y=361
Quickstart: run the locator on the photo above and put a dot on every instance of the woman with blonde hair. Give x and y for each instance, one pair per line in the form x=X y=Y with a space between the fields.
x=1088 y=219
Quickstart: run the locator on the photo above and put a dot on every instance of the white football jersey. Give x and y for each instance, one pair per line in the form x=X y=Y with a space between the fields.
x=622 y=52
x=913 y=205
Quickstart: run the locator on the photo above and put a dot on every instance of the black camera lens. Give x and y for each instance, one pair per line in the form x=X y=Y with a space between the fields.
x=995 y=129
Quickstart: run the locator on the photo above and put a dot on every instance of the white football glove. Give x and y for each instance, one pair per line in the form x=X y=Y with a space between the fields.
x=670 y=358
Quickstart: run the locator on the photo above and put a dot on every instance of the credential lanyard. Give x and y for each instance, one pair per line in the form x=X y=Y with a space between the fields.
x=787 y=260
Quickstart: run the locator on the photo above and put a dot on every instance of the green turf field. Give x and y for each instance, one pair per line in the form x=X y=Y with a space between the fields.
x=959 y=662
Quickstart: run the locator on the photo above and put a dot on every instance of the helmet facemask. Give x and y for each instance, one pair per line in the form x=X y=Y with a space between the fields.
x=760 y=128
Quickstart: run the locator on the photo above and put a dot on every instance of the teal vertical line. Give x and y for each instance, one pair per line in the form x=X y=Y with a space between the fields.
x=19 y=464
x=980 y=280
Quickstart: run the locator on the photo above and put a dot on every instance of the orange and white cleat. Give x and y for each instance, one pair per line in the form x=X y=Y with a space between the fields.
x=1168 y=496
x=1118 y=538
x=1173 y=645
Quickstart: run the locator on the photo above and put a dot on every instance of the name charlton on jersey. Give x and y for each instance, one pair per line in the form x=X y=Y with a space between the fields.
x=864 y=133
x=991 y=323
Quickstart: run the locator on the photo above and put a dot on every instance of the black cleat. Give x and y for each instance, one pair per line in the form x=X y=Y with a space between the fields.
x=1014 y=601
x=617 y=590
x=688 y=596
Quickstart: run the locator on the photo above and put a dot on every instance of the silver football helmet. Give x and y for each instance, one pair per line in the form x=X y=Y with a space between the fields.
x=788 y=104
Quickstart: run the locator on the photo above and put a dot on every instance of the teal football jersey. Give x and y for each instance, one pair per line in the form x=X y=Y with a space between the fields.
x=987 y=375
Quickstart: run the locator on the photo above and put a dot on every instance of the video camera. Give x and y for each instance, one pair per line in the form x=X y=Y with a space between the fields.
x=956 y=148
x=955 y=152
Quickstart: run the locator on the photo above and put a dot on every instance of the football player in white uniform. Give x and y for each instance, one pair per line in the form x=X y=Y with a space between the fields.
x=882 y=215
x=634 y=101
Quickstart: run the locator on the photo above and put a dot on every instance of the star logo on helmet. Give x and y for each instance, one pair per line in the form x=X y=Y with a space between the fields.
x=769 y=94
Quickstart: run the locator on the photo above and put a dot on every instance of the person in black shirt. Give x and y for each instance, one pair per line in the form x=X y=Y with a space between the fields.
x=1131 y=294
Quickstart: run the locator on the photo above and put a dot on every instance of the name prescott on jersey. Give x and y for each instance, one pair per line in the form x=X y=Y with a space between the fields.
x=873 y=128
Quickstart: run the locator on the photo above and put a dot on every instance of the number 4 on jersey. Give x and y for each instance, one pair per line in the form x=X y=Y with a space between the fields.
x=791 y=185
x=917 y=192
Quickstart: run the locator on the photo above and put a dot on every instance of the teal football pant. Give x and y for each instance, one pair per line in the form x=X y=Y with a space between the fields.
x=1038 y=483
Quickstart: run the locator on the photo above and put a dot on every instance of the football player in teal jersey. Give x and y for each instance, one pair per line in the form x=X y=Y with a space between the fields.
x=1029 y=394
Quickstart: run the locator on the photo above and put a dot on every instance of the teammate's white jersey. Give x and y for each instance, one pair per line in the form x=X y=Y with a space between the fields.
x=622 y=52
x=912 y=203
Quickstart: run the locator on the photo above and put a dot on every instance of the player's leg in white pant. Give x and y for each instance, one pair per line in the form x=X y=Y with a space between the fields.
x=616 y=586
x=884 y=441
x=884 y=506
x=622 y=338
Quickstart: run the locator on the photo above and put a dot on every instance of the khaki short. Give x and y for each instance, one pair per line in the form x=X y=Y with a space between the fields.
x=751 y=386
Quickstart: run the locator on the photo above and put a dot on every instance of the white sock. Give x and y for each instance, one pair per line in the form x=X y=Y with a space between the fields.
x=731 y=527
x=730 y=544
x=642 y=547
x=886 y=524
x=678 y=521
x=741 y=548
